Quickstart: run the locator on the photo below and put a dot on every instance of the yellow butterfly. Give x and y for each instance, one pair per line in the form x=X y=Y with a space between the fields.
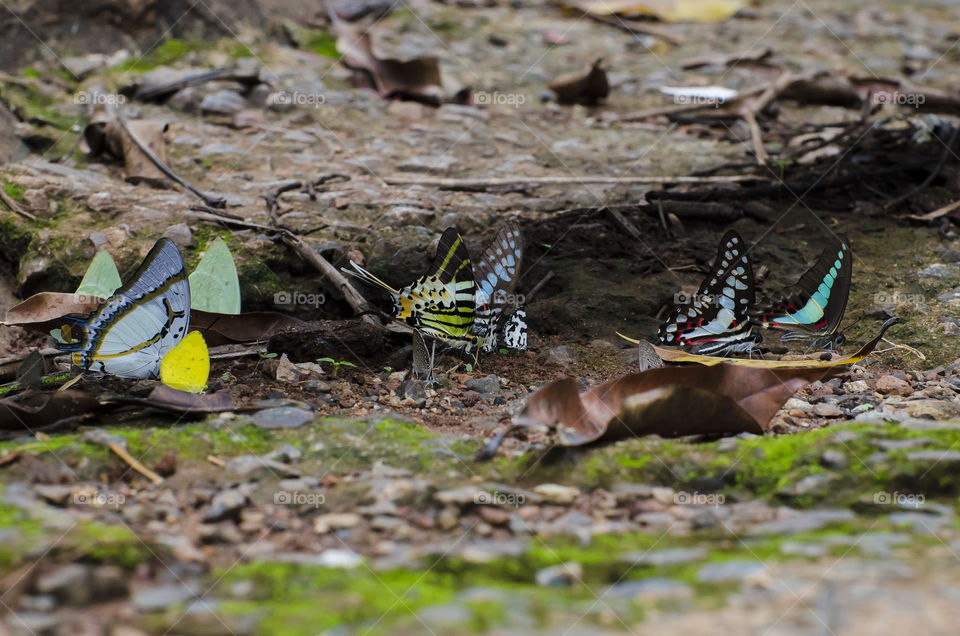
x=187 y=366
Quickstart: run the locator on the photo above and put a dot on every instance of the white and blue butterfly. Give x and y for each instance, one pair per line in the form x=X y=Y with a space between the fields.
x=130 y=333
x=499 y=319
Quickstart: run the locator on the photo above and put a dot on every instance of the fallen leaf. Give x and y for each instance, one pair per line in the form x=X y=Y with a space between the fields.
x=677 y=355
x=666 y=10
x=585 y=87
x=417 y=79
x=172 y=400
x=45 y=311
x=721 y=399
x=34 y=410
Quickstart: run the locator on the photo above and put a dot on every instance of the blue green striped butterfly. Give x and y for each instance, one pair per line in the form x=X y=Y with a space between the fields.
x=441 y=303
x=129 y=333
x=812 y=309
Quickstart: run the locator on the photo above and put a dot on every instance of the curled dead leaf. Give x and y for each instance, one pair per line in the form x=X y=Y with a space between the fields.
x=585 y=87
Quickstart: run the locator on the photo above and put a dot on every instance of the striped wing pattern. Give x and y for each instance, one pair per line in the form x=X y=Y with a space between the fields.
x=716 y=318
x=129 y=333
x=816 y=303
x=441 y=303
x=496 y=273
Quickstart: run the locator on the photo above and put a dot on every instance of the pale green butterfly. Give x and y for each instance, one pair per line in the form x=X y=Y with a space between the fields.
x=214 y=285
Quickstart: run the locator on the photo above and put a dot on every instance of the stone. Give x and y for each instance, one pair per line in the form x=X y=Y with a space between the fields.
x=827 y=409
x=335 y=521
x=562 y=575
x=180 y=234
x=286 y=371
x=856 y=386
x=809 y=484
x=834 y=460
x=69 y=584
x=658 y=558
x=652 y=589
x=901 y=444
x=952 y=296
x=31 y=623
x=556 y=493
x=749 y=571
x=252 y=467
x=485 y=385
x=891 y=385
x=408 y=215
x=939 y=271
x=225 y=504
x=935 y=456
x=155 y=599
x=222 y=103
x=439 y=164
x=282 y=417
x=461 y=495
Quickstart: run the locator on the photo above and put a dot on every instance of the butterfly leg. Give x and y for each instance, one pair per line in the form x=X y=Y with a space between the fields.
x=431 y=380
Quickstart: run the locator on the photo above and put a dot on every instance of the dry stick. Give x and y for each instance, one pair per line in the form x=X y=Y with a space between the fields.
x=134 y=464
x=474 y=184
x=536 y=288
x=947 y=151
x=13 y=205
x=211 y=200
x=936 y=214
x=216 y=461
x=634 y=27
x=624 y=224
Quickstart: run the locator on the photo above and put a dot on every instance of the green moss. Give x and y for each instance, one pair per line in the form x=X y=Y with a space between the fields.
x=166 y=54
x=323 y=44
x=14 y=191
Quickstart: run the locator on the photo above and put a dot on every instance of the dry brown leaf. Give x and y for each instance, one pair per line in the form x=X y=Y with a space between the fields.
x=417 y=79
x=587 y=87
x=33 y=410
x=697 y=400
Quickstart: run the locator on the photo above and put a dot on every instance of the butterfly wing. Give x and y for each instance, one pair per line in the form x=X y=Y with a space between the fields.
x=817 y=302
x=129 y=333
x=720 y=306
x=496 y=274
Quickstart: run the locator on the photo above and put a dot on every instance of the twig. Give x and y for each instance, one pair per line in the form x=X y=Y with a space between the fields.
x=624 y=224
x=211 y=200
x=13 y=205
x=936 y=214
x=635 y=27
x=135 y=464
x=536 y=288
x=351 y=295
x=756 y=137
x=216 y=461
x=483 y=184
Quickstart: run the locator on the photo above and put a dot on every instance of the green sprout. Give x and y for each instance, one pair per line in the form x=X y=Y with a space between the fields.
x=336 y=365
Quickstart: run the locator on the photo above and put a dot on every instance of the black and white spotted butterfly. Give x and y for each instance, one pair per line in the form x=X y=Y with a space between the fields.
x=716 y=318
x=499 y=319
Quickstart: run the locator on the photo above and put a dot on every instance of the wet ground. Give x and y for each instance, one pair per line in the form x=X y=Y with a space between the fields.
x=368 y=514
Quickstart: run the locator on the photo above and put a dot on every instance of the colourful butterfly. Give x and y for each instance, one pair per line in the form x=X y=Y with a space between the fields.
x=812 y=308
x=130 y=333
x=716 y=317
x=441 y=303
x=499 y=320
